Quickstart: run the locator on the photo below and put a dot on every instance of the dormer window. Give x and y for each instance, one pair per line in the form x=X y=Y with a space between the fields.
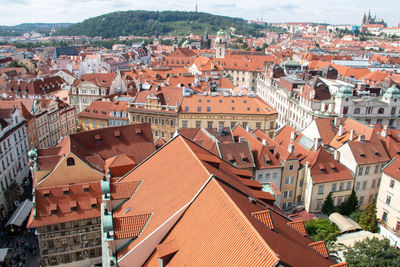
x=65 y=191
x=46 y=193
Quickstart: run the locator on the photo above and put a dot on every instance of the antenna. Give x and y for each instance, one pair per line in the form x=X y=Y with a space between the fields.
x=195 y=9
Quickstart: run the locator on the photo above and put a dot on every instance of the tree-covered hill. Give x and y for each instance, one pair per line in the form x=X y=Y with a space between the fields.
x=149 y=23
x=18 y=30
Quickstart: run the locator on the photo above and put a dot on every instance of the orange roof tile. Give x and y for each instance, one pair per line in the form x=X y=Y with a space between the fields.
x=123 y=190
x=265 y=218
x=130 y=226
x=299 y=227
x=320 y=248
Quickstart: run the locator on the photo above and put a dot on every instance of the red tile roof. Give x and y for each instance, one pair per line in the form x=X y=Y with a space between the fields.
x=51 y=198
x=265 y=218
x=123 y=190
x=130 y=226
x=320 y=248
x=299 y=227
x=225 y=104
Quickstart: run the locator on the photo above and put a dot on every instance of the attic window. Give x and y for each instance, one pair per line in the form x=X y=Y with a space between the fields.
x=65 y=191
x=103 y=112
x=361 y=154
x=220 y=101
x=186 y=108
x=332 y=165
x=70 y=161
x=53 y=209
x=243 y=157
x=97 y=137
x=208 y=109
x=117 y=133
x=73 y=205
x=138 y=131
x=93 y=203
x=321 y=167
x=94 y=111
x=85 y=188
x=376 y=153
x=46 y=193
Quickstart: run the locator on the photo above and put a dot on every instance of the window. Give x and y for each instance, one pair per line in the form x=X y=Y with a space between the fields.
x=258 y=125
x=348 y=186
x=291 y=167
x=102 y=124
x=373 y=183
x=198 y=124
x=186 y=108
x=184 y=124
x=233 y=124
x=391 y=185
x=199 y=109
x=364 y=186
x=260 y=176
x=267 y=175
x=334 y=187
x=156 y=121
x=377 y=168
x=319 y=204
x=370 y=198
x=172 y=122
x=367 y=170
x=357 y=111
x=398 y=226
x=274 y=175
x=341 y=186
x=388 y=199
x=361 y=201
x=381 y=111
x=287 y=180
x=70 y=161
x=360 y=170
x=209 y=124
x=94 y=123
x=244 y=124
x=358 y=186
x=339 y=200
x=156 y=133
x=301 y=183
x=208 y=109
x=86 y=123
x=384 y=216
x=320 y=190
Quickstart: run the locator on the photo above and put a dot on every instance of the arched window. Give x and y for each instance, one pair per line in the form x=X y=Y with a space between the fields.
x=381 y=111
x=357 y=111
x=70 y=162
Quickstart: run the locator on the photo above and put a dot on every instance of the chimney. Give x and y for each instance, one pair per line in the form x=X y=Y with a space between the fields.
x=340 y=133
x=384 y=131
x=336 y=155
x=337 y=122
x=317 y=143
x=361 y=138
x=292 y=136
x=264 y=142
x=351 y=135
x=291 y=148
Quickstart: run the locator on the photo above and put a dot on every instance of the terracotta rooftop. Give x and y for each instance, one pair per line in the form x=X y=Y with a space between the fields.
x=65 y=204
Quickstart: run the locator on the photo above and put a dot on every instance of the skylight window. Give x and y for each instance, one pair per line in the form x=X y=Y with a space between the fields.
x=208 y=109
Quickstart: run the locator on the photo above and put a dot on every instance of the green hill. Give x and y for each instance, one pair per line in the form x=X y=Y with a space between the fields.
x=148 y=23
x=18 y=30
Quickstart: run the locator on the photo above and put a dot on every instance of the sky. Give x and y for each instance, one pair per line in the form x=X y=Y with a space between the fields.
x=332 y=12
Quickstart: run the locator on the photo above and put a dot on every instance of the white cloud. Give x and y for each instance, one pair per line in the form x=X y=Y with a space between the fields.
x=337 y=12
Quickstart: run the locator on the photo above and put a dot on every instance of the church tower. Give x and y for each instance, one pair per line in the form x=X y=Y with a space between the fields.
x=220 y=44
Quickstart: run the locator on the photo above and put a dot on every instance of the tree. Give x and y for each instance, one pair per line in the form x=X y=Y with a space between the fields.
x=322 y=229
x=373 y=252
x=368 y=220
x=350 y=205
x=328 y=207
x=355 y=216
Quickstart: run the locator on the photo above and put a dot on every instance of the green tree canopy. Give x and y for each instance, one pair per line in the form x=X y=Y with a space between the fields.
x=350 y=205
x=322 y=229
x=328 y=207
x=372 y=252
x=368 y=220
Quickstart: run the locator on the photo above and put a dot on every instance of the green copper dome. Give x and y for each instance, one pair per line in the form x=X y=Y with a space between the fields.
x=392 y=92
x=345 y=91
